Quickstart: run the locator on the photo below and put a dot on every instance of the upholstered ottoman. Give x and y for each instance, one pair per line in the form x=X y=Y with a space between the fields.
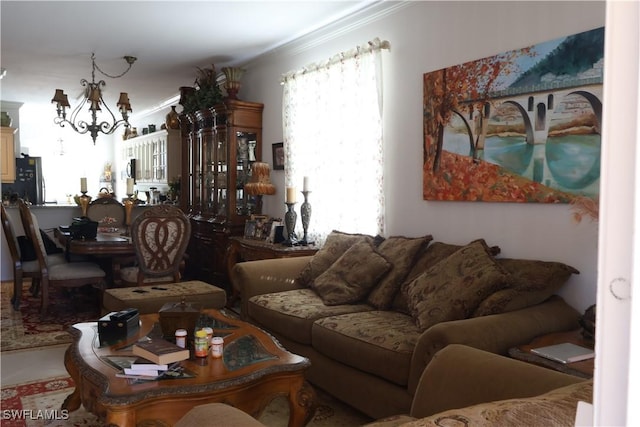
x=150 y=299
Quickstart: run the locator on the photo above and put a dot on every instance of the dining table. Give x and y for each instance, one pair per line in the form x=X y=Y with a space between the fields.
x=109 y=249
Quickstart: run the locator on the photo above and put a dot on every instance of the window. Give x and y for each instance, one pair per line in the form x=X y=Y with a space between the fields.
x=333 y=136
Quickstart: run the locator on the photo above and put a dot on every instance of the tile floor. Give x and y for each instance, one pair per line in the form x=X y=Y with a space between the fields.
x=31 y=365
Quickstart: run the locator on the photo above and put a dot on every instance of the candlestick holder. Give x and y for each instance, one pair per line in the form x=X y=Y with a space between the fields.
x=305 y=213
x=84 y=202
x=128 y=207
x=290 y=218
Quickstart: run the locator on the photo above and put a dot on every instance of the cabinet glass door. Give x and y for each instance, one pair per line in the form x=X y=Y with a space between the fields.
x=246 y=143
x=221 y=181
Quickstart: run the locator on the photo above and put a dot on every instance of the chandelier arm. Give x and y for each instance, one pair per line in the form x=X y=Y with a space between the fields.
x=130 y=60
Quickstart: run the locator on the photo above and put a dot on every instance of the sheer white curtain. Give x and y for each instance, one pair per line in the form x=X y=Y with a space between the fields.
x=333 y=135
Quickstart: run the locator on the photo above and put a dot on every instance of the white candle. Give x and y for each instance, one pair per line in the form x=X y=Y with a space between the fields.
x=130 y=186
x=83 y=185
x=305 y=183
x=291 y=195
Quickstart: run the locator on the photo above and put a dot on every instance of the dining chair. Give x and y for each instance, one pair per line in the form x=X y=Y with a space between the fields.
x=160 y=236
x=106 y=209
x=22 y=269
x=66 y=274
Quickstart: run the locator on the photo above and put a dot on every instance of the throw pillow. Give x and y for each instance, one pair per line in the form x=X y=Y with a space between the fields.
x=351 y=277
x=427 y=258
x=453 y=288
x=533 y=282
x=336 y=244
x=401 y=252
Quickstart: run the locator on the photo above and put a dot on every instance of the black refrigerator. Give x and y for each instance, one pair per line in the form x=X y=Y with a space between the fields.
x=29 y=184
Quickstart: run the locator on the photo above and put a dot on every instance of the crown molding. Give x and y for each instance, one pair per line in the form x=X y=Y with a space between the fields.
x=371 y=13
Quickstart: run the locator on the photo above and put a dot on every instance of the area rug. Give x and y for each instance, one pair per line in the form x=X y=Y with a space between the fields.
x=37 y=404
x=28 y=329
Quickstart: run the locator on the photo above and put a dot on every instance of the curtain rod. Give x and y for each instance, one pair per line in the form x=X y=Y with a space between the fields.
x=371 y=46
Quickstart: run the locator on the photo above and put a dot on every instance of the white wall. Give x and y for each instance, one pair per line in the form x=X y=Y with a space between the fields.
x=427 y=36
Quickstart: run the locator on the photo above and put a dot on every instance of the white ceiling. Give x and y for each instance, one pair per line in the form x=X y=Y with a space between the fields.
x=48 y=44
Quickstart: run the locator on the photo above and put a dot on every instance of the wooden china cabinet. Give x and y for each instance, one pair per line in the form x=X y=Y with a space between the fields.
x=219 y=146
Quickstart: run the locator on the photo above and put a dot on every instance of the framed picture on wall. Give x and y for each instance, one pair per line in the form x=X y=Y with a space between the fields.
x=278 y=155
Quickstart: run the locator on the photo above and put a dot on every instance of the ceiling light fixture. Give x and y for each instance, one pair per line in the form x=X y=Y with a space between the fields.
x=93 y=97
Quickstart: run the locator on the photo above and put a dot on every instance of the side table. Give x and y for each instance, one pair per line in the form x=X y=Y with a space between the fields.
x=242 y=249
x=583 y=368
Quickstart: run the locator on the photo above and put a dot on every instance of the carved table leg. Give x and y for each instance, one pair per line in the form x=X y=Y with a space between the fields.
x=302 y=405
x=73 y=401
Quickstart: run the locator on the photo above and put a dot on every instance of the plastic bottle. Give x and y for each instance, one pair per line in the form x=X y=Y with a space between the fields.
x=217 y=344
x=201 y=347
x=181 y=338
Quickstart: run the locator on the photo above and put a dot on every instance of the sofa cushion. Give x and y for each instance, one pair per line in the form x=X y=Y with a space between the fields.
x=336 y=244
x=555 y=408
x=533 y=282
x=425 y=259
x=401 y=252
x=453 y=288
x=352 y=276
x=291 y=313
x=378 y=342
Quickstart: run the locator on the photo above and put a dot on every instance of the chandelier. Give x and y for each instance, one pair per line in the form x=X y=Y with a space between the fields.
x=93 y=98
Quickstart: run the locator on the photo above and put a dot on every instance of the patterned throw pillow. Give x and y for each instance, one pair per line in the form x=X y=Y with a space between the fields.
x=401 y=252
x=336 y=244
x=533 y=282
x=453 y=288
x=352 y=276
x=425 y=259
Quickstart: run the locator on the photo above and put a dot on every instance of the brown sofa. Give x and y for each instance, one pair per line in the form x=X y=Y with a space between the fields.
x=462 y=386
x=371 y=354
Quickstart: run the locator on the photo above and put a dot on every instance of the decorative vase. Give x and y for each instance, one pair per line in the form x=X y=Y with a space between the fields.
x=5 y=119
x=172 y=120
x=232 y=81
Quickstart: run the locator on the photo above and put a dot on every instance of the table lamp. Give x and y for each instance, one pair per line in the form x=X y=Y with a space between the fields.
x=260 y=184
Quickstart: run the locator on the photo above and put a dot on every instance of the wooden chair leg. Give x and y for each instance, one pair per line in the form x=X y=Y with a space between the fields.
x=17 y=290
x=35 y=286
x=44 y=297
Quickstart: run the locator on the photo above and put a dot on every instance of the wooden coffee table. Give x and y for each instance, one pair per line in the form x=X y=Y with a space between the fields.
x=255 y=369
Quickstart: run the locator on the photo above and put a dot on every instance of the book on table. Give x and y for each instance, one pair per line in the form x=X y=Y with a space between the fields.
x=143 y=372
x=564 y=352
x=160 y=351
x=144 y=365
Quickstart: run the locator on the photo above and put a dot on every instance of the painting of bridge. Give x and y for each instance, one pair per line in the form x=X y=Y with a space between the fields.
x=520 y=126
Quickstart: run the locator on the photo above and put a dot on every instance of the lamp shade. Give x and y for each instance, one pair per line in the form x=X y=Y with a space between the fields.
x=260 y=183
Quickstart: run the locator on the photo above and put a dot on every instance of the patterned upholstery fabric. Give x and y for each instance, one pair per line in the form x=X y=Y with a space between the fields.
x=106 y=207
x=453 y=288
x=349 y=279
x=401 y=252
x=555 y=408
x=336 y=244
x=160 y=236
x=532 y=283
x=292 y=313
x=150 y=299
x=425 y=259
x=379 y=342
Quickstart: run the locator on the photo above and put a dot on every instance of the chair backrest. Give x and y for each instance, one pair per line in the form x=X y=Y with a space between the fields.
x=10 y=235
x=32 y=231
x=106 y=207
x=160 y=236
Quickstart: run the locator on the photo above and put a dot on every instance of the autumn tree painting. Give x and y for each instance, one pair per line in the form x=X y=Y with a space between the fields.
x=494 y=102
